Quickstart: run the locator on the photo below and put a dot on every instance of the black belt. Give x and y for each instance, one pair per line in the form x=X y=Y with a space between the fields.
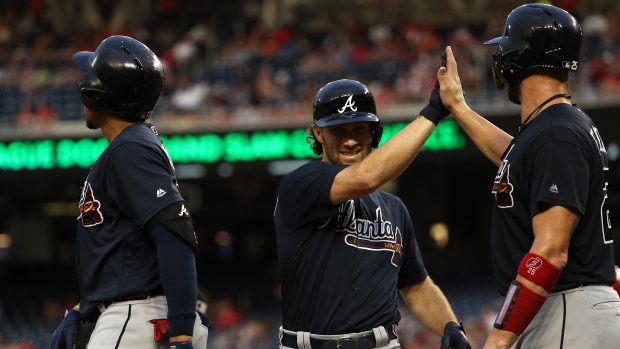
x=158 y=292
x=367 y=342
x=571 y=285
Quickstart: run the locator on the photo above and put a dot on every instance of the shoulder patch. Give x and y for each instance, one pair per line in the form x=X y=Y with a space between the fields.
x=90 y=208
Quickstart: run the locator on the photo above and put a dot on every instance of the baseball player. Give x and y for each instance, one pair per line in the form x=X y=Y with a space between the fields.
x=135 y=238
x=346 y=248
x=551 y=241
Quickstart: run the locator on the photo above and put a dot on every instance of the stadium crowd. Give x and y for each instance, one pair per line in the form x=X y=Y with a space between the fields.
x=224 y=65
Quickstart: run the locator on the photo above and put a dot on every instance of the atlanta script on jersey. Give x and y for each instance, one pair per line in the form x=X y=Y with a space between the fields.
x=341 y=264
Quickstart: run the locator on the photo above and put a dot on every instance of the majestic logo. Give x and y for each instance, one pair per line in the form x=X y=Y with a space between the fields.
x=533 y=264
x=377 y=235
x=349 y=104
x=183 y=211
x=89 y=208
x=554 y=189
x=161 y=192
x=501 y=186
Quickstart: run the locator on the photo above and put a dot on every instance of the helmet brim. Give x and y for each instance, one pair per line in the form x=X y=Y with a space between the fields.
x=338 y=119
x=497 y=41
x=506 y=45
x=83 y=60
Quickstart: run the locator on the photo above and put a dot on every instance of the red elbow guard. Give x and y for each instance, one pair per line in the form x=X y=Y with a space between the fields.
x=539 y=271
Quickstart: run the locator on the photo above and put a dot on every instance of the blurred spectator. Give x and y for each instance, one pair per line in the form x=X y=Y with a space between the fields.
x=227 y=58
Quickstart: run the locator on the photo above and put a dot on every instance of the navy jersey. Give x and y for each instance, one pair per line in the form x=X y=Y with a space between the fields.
x=557 y=159
x=341 y=265
x=132 y=180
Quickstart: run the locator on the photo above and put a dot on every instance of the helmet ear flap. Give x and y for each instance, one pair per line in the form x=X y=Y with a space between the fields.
x=376 y=137
x=92 y=98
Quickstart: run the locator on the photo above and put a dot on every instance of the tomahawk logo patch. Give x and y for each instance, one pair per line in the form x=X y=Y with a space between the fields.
x=376 y=235
x=501 y=186
x=89 y=209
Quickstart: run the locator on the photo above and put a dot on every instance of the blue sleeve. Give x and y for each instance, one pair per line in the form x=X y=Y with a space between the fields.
x=177 y=269
x=142 y=180
x=412 y=270
x=304 y=196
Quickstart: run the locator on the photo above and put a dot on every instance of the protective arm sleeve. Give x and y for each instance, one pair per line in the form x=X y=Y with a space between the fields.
x=177 y=269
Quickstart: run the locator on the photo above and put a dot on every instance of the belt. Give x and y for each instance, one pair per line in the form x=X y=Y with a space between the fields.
x=346 y=342
x=571 y=285
x=157 y=292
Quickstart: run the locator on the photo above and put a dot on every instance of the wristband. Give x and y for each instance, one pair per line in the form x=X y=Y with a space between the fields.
x=520 y=306
x=539 y=271
x=435 y=111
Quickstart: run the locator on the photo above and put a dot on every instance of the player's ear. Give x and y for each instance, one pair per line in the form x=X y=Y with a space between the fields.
x=318 y=133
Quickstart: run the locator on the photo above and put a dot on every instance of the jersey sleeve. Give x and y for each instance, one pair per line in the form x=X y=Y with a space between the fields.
x=142 y=181
x=412 y=270
x=304 y=196
x=559 y=176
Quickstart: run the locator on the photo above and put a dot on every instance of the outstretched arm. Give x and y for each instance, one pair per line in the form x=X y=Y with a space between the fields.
x=382 y=165
x=490 y=139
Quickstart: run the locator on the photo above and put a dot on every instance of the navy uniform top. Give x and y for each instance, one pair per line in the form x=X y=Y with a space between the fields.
x=557 y=159
x=341 y=265
x=132 y=180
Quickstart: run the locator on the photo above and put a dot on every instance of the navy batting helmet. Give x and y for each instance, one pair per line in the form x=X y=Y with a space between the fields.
x=344 y=101
x=536 y=35
x=122 y=77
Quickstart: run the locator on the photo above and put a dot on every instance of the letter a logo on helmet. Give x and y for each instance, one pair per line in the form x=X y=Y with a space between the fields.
x=350 y=103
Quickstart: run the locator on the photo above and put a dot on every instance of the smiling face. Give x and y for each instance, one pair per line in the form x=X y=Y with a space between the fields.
x=345 y=143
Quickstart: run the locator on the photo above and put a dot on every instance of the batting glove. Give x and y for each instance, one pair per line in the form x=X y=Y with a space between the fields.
x=67 y=332
x=180 y=345
x=454 y=337
x=206 y=322
x=435 y=111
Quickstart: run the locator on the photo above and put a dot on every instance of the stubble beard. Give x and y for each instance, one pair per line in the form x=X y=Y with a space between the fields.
x=514 y=93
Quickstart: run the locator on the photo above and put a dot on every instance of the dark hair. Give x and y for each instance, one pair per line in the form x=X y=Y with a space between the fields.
x=316 y=146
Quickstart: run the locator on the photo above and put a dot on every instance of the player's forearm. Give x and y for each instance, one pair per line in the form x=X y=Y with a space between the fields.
x=392 y=158
x=499 y=339
x=490 y=139
x=178 y=275
x=429 y=306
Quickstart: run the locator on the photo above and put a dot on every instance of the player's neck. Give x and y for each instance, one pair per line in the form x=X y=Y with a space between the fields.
x=113 y=127
x=537 y=89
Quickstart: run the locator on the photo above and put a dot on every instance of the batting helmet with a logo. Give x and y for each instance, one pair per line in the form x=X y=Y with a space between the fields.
x=344 y=101
x=536 y=35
